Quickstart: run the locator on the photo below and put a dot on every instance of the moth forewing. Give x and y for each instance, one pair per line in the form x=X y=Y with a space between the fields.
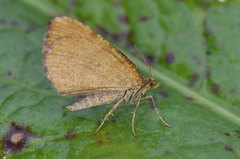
x=79 y=61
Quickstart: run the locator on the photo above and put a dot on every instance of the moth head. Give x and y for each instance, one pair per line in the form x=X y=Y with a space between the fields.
x=153 y=83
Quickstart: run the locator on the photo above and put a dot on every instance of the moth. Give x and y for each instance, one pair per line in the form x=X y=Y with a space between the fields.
x=79 y=61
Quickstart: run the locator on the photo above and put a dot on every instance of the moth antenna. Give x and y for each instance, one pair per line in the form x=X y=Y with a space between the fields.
x=144 y=60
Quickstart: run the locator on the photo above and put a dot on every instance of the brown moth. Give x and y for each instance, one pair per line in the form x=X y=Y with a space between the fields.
x=79 y=61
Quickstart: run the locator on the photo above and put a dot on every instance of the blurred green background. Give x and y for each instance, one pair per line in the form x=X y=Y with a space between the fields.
x=193 y=48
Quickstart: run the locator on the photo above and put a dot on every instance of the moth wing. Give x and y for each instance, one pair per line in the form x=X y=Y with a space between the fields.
x=77 y=60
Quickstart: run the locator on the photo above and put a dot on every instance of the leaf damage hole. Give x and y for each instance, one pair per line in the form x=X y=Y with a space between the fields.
x=72 y=3
x=205 y=5
x=170 y=58
x=211 y=139
x=9 y=73
x=208 y=53
x=207 y=73
x=229 y=148
x=227 y=134
x=238 y=132
x=122 y=18
x=151 y=60
x=113 y=121
x=189 y=98
x=197 y=60
x=99 y=122
x=14 y=23
x=64 y=114
x=193 y=79
x=2 y=21
x=163 y=94
x=99 y=142
x=166 y=152
x=143 y=18
x=117 y=4
x=215 y=88
x=70 y=135
x=15 y=139
x=103 y=31
x=29 y=30
x=120 y=37
x=207 y=30
x=4 y=86
x=232 y=91
x=130 y=44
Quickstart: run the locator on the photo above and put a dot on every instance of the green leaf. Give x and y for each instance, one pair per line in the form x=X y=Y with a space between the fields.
x=193 y=48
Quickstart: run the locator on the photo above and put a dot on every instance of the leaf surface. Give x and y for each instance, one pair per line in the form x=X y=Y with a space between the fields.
x=193 y=48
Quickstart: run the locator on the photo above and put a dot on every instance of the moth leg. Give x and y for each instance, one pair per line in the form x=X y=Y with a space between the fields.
x=154 y=105
x=108 y=114
x=134 y=114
